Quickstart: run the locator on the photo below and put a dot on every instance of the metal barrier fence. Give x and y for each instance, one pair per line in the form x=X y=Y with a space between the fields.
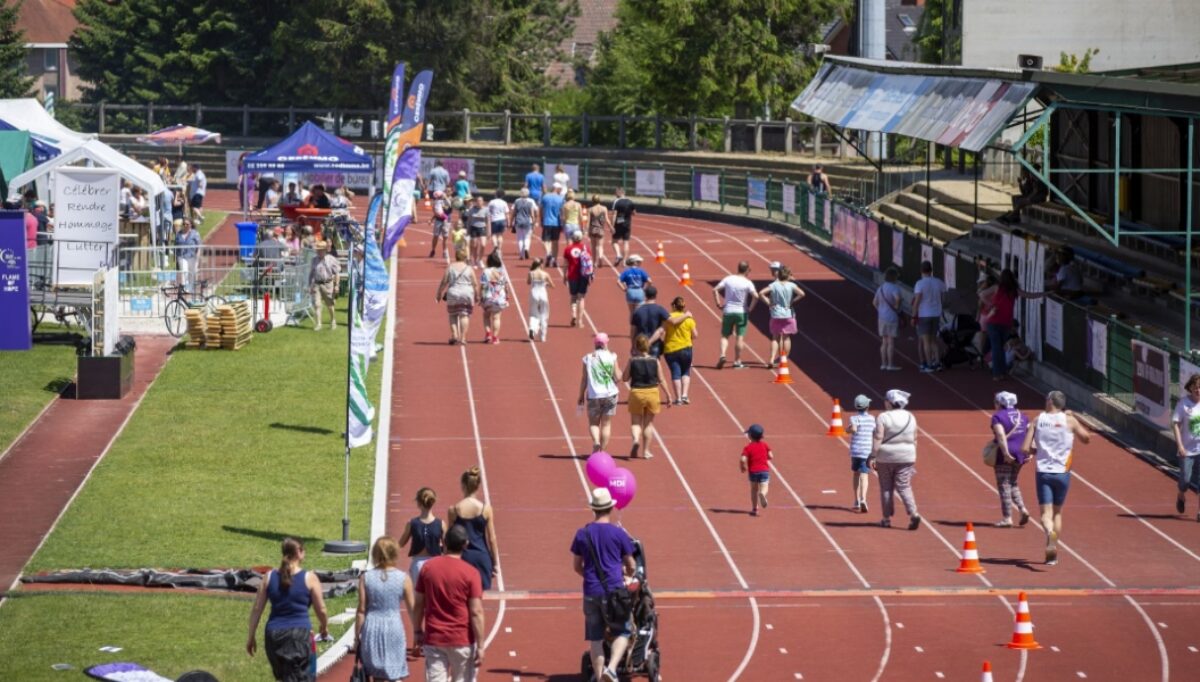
x=228 y=273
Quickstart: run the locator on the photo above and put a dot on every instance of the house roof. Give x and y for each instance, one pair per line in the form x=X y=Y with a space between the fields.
x=47 y=21
x=595 y=17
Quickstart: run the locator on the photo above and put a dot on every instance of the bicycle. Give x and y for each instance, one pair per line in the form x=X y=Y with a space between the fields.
x=179 y=301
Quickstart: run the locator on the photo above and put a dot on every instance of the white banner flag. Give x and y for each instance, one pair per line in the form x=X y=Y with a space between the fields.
x=927 y=253
x=789 y=199
x=709 y=187
x=898 y=248
x=651 y=182
x=1098 y=346
x=1054 y=324
x=950 y=270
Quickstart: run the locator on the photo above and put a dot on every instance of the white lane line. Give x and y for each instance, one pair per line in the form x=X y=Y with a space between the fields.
x=782 y=650
x=828 y=492
x=508 y=631
x=1193 y=649
x=1081 y=674
x=900 y=625
x=584 y=482
x=487 y=495
x=887 y=630
x=919 y=650
x=968 y=401
x=938 y=674
x=1055 y=649
x=512 y=653
x=769 y=626
x=816 y=415
x=797 y=676
x=1162 y=625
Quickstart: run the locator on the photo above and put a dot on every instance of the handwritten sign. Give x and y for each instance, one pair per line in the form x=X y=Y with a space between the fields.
x=86 y=222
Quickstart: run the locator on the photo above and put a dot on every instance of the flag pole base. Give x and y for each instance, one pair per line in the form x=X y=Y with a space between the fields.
x=345 y=547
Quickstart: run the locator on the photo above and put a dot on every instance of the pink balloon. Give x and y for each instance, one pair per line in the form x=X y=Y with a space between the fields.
x=600 y=465
x=623 y=486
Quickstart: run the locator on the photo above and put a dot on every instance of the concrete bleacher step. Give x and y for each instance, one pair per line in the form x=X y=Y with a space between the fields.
x=960 y=194
x=946 y=215
x=916 y=221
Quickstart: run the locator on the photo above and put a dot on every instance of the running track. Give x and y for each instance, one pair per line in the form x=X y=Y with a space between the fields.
x=808 y=590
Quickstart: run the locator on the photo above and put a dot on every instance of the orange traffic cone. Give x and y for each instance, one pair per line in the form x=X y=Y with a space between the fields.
x=686 y=278
x=835 y=422
x=1023 y=627
x=970 y=554
x=661 y=256
x=783 y=376
x=987 y=672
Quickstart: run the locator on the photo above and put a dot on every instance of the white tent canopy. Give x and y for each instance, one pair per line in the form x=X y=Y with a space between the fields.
x=95 y=152
x=28 y=114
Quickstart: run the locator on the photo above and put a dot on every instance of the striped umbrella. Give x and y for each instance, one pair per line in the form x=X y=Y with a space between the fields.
x=180 y=135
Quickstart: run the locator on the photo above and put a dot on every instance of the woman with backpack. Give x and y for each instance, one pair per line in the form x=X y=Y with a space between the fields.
x=495 y=297
x=578 y=274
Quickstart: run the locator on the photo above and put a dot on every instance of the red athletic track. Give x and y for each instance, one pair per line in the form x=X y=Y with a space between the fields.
x=896 y=610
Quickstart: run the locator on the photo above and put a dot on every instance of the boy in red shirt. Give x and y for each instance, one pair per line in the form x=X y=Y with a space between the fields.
x=756 y=460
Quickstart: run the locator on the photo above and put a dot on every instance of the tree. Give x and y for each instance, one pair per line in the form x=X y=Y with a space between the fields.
x=13 y=81
x=1072 y=63
x=937 y=42
x=679 y=57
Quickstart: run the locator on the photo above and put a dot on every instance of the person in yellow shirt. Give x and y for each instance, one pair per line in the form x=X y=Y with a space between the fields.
x=572 y=211
x=679 y=335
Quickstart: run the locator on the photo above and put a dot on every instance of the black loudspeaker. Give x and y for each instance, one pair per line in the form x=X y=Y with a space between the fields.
x=1029 y=61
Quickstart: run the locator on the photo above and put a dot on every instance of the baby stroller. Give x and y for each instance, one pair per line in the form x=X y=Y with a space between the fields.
x=642 y=655
x=958 y=337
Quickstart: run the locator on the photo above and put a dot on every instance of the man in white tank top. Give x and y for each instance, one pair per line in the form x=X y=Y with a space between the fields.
x=1051 y=441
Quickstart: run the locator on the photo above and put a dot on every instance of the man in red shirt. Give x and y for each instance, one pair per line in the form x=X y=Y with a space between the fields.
x=448 y=614
x=756 y=461
x=578 y=274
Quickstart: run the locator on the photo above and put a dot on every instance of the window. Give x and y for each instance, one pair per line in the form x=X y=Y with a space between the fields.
x=906 y=21
x=50 y=59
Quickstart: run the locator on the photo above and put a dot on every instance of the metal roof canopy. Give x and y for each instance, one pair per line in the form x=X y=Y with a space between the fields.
x=955 y=107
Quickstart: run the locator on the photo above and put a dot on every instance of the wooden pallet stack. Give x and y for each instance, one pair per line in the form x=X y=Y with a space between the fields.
x=197 y=326
x=236 y=325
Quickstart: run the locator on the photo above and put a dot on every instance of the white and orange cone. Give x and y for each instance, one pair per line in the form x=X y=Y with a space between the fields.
x=1023 y=626
x=835 y=422
x=660 y=256
x=686 y=278
x=783 y=375
x=987 y=672
x=970 y=554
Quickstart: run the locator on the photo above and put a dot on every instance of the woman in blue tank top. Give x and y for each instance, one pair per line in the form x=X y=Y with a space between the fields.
x=424 y=532
x=288 y=637
x=476 y=518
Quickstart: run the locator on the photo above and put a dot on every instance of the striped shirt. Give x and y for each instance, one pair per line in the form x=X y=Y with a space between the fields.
x=864 y=431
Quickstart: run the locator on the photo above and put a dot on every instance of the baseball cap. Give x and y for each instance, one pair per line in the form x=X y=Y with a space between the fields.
x=861 y=402
x=775 y=265
x=601 y=339
x=755 y=431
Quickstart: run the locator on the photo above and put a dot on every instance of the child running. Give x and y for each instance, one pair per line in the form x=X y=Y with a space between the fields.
x=540 y=284
x=862 y=428
x=756 y=458
x=425 y=532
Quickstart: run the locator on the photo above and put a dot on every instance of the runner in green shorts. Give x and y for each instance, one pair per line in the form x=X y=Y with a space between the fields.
x=735 y=296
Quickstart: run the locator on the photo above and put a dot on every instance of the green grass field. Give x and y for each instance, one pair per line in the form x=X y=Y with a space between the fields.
x=167 y=633
x=212 y=220
x=28 y=381
x=229 y=452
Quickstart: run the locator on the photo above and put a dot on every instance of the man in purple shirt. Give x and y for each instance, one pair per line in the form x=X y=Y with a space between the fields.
x=609 y=544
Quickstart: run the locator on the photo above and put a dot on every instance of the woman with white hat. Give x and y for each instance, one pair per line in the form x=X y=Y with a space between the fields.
x=894 y=457
x=1008 y=436
x=603 y=556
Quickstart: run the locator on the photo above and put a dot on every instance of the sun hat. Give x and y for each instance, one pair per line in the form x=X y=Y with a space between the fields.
x=897 y=397
x=755 y=431
x=635 y=258
x=1006 y=399
x=601 y=339
x=861 y=402
x=462 y=174
x=774 y=265
x=602 y=500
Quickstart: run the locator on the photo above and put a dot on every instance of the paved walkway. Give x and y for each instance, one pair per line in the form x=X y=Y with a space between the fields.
x=43 y=470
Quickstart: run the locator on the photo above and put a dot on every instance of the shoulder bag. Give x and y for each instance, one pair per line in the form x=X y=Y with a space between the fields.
x=616 y=605
x=358 y=674
x=991 y=451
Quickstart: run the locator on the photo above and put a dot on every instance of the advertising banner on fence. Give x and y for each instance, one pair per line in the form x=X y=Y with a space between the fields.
x=453 y=166
x=927 y=253
x=651 y=182
x=572 y=171
x=756 y=193
x=856 y=235
x=1097 y=346
x=789 y=199
x=1151 y=383
x=812 y=207
x=707 y=187
x=898 y=248
x=950 y=270
x=1186 y=370
x=15 y=329
x=1054 y=324
x=86 y=222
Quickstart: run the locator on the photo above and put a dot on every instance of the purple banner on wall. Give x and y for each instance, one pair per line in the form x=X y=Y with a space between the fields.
x=15 y=330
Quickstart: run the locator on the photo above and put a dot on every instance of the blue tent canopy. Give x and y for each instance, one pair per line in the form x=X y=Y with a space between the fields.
x=42 y=151
x=310 y=150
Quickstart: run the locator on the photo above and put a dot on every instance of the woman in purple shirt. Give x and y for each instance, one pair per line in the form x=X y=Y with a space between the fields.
x=1008 y=430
